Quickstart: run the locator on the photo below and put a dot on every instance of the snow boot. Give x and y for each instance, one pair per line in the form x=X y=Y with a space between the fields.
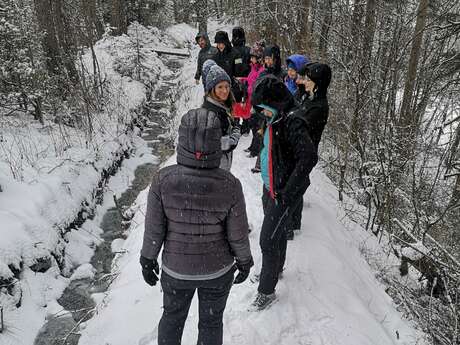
x=262 y=301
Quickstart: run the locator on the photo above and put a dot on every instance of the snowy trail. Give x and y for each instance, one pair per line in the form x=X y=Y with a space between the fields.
x=328 y=296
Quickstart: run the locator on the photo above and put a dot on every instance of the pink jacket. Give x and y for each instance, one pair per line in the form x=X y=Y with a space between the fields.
x=243 y=110
x=256 y=69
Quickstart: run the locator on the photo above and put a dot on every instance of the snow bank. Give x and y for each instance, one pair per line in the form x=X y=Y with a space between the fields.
x=50 y=173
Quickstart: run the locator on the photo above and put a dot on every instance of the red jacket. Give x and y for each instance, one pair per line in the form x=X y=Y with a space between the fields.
x=243 y=110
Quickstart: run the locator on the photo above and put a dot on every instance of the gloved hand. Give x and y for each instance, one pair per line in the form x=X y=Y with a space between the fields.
x=150 y=270
x=244 y=270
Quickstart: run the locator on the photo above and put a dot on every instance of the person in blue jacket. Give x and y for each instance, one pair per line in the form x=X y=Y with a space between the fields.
x=294 y=63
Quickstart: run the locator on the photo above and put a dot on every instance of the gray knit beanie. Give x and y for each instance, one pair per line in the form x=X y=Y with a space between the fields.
x=206 y=67
x=214 y=76
x=199 y=143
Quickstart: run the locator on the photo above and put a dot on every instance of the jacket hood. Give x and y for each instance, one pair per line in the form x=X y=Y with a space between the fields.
x=222 y=37
x=270 y=91
x=274 y=52
x=298 y=60
x=203 y=35
x=238 y=37
x=321 y=74
x=199 y=143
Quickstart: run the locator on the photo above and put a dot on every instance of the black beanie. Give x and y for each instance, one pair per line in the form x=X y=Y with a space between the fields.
x=199 y=143
x=271 y=91
x=221 y=37
x=272 y=51
x=238 y=36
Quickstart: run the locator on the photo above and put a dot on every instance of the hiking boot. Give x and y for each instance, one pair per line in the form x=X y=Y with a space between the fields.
x=262 y=301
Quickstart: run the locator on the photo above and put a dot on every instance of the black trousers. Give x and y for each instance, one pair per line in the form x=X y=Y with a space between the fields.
x=255 y=123
x=273 y=242
x=177 y=297
x=296 y=219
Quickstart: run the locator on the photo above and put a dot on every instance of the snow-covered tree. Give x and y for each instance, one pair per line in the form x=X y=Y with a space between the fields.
x=23 y=77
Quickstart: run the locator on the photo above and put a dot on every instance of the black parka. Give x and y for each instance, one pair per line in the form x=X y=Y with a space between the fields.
x=315 y=113
x=225 y=58
x=293 y=153
x=315 y=107
x=241 y=53
x=208 y=52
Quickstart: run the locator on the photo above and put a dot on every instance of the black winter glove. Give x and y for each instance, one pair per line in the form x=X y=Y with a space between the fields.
x=244 y=270
x=150 y=270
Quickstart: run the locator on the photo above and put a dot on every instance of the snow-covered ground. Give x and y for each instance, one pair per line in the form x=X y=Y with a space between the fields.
x=48 y=171
x=328 y=295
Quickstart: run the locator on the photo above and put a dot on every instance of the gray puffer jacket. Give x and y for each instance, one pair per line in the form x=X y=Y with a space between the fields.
x=196 y=210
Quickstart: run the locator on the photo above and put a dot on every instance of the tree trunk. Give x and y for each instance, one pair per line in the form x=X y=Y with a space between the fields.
x=305 y=31
x=66 y=44
x=407 y=120
x=201 y=10
x=369 y=32
x=43 y=10
x=118 y=18
x=94 y=28
x=327 y=19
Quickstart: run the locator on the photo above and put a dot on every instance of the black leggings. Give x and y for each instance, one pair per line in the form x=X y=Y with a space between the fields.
x=177 y=297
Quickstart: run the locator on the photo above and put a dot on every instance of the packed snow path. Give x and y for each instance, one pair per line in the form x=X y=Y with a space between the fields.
x=328 y=294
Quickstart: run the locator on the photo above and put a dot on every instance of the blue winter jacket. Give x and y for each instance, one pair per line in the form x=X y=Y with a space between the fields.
x=299 y=61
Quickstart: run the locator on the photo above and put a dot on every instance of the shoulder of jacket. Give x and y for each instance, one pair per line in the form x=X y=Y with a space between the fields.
x=202 y=111
x=231 y=179
x=296 y=115
x=165 y=172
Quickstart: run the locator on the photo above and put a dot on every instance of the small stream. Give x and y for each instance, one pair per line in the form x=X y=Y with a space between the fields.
x=63 y=329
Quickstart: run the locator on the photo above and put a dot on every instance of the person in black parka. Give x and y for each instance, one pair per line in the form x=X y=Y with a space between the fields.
x=272 y=66
x=272 y=62
x=224 y=55
x=241 y=53
x=287 y=158
x=313 y=81
x=207 y=52
x=196 y=212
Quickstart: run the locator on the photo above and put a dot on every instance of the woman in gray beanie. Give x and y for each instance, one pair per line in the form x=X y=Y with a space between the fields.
x=219 y=100
x=196 y=212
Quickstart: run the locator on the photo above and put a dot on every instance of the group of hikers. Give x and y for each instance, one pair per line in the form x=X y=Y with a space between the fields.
x=196 y=209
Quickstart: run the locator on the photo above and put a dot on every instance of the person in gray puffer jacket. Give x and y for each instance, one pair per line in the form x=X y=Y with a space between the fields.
x=196 y=212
